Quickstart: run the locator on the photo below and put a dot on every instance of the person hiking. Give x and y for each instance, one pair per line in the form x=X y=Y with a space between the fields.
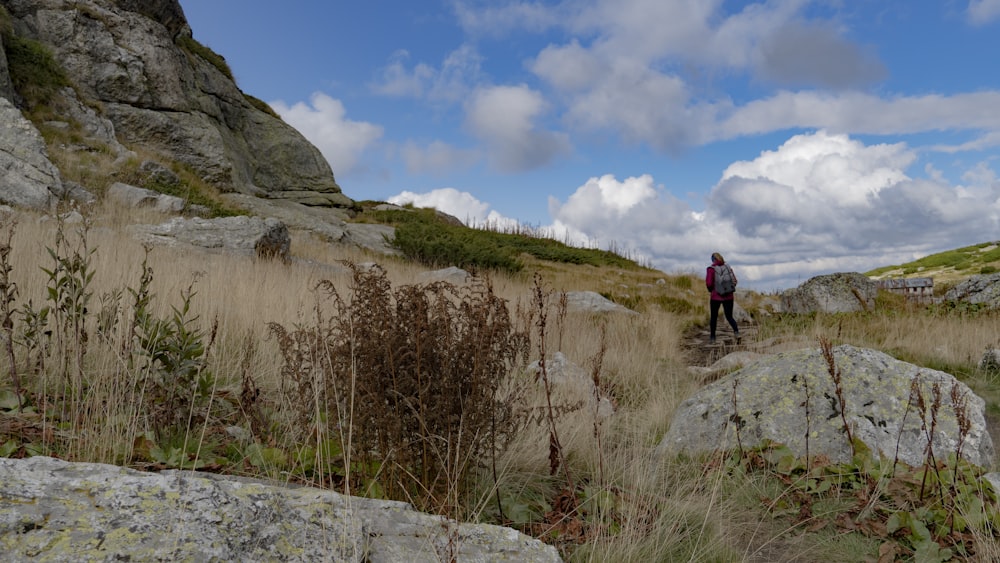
x=721 y=282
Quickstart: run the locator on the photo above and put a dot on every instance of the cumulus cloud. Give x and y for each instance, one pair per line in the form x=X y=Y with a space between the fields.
x=462 y=205
x=325 y=123
x=437 y=157
x=982 y=12
x=637 y=68
x=504 y=117
x=816 y=204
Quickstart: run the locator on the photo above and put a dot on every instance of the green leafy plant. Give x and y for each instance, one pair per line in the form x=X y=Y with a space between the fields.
x=173 y=357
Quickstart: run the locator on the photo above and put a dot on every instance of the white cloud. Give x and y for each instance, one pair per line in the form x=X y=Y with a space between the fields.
x=459 y=73
x=569 y=68
x=504 y=117
x=492 y=18
x=642 y=105
x=397 y=80
x=816 y=204
x=982 y=12
x=436 y=157
x=462 y=205
x=325 y=124
x=833 y=168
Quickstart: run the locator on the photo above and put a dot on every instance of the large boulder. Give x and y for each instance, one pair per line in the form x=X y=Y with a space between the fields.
x=979 y=290
x=833 y=293
x=791 y=398
x=131 y=196
x=53 y=510
x=328 y=223
x=250 y=236
x=27 y=176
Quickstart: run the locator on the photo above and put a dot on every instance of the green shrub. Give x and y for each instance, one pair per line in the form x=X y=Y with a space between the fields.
x=441 y=245
x=422 y=236
x=989 y=269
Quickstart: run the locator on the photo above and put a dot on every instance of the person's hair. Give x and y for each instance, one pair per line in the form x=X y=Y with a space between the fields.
x=718 y=258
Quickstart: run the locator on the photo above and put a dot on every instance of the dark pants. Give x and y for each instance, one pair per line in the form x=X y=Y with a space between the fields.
x=727 y=307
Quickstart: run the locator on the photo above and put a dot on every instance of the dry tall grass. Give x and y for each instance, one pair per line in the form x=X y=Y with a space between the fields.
x=608 y=499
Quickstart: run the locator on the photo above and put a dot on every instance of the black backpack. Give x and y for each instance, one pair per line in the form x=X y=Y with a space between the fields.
x=725 y=280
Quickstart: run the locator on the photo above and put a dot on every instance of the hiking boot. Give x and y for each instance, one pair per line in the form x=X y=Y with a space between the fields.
x=711 y=340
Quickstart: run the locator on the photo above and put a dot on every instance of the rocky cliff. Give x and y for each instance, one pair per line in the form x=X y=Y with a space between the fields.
x=129 y=78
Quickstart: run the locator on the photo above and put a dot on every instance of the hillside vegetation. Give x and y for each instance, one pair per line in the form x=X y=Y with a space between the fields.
x=949 y=266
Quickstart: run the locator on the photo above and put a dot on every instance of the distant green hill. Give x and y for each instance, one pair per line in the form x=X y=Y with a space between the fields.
x=983 y=258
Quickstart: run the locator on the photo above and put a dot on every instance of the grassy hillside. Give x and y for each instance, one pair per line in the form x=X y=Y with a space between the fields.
x=948 y=266
x=176 y=359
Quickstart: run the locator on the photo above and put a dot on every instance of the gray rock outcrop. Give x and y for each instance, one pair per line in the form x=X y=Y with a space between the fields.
x=980 y=290
x=53 y=510
x=833 y=293
x=27 y=177
x=328 y=223
x=729 y=362
x=768 y=400
x=248 y=236
x=131 y=196
x=159 y=90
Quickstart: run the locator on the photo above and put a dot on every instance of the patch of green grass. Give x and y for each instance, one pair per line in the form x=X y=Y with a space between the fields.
x=192 y=46
x=675 y=304
x=34 y=72
x=261 y=105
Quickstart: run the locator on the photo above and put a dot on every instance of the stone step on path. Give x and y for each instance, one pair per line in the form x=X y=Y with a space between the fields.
x=702 y=352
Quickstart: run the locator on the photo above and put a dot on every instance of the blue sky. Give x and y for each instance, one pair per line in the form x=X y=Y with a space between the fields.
x=796 y=137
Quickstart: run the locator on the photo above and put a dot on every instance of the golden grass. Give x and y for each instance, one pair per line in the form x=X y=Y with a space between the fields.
x=663 y=510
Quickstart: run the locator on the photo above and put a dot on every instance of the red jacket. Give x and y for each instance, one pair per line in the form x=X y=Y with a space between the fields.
x=710 y=284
